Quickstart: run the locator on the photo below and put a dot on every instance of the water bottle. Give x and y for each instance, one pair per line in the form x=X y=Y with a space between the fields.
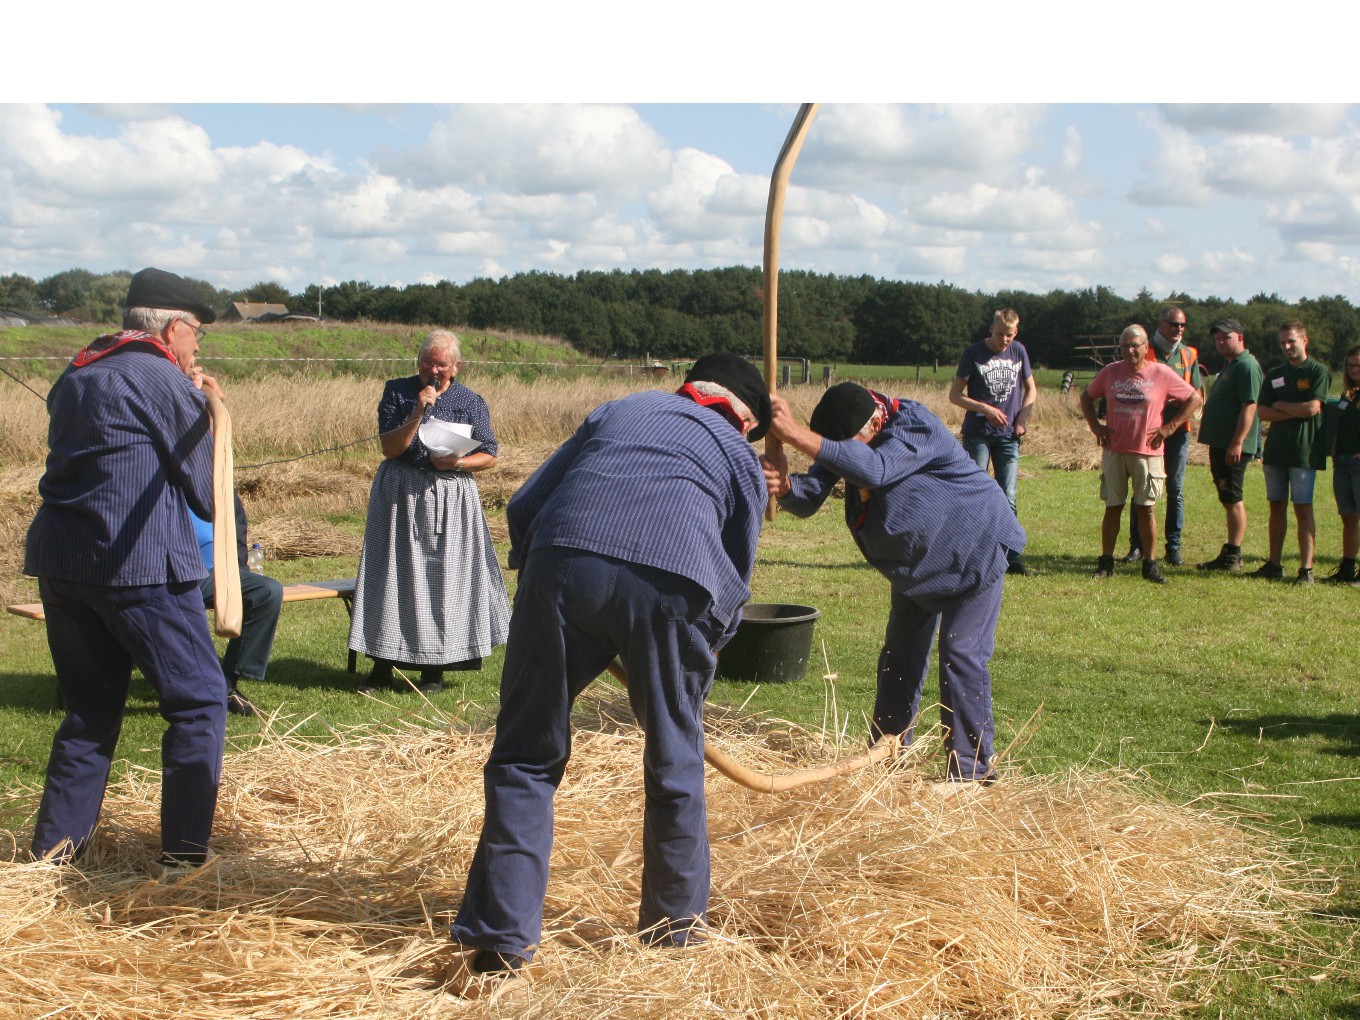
x=255 y=558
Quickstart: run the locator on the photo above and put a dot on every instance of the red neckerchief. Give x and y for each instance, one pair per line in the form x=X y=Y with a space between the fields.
x=719 y=404
x=110 y=342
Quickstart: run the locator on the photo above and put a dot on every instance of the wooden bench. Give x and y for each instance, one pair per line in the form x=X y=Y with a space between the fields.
x=305 y=592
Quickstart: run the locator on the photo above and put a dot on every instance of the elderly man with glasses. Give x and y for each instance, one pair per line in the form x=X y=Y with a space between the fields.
x=1146 y=403
x=1167 y=344
x=118 y=568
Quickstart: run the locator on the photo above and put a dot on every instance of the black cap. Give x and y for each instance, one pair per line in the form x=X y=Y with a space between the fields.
x=743 y=379
x=155 y=288
x=843 y=410
x=1228 y=326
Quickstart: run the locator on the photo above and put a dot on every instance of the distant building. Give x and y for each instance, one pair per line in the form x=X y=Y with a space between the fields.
x=13 y=317
x=253 y=311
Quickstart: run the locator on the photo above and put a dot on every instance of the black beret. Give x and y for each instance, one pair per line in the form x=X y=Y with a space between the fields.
x=155 y=288
x=843 y=410
x=743 y=379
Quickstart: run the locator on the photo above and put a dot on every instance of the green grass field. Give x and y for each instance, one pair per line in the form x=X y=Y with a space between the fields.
x=1238 y=692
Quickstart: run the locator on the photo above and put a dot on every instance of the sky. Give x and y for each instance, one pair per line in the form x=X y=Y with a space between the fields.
x=958 y=150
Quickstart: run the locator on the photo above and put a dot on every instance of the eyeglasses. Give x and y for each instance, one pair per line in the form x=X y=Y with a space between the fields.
x=1135 y=347
x=199 y=331
x=1174 y=325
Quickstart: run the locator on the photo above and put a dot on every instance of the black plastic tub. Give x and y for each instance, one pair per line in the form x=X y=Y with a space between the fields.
x=772 y=643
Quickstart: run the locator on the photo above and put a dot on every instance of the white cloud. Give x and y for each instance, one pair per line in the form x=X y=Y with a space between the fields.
x=535 y=150
x=1256 y=118
x=989 y=208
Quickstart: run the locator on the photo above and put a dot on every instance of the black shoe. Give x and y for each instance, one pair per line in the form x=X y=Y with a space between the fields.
x=1225 y=560
x=1269 y=571
x=1345 y=574
x=1305 y=576
x=1152 y=573
x=1133 y=555
x=1104 y=567
x=431 y=687
x=372 y=683
x=1173 y=558
x=239 y=704
x=1017 y=567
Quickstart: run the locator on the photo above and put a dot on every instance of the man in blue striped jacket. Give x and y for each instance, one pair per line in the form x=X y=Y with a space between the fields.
x=118 y=569
x=637 y=539
x=938 y=528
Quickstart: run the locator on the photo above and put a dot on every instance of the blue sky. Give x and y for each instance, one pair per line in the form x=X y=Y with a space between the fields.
x=1229 y=184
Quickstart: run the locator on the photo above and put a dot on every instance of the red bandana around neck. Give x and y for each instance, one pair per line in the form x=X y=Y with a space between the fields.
x=720 y=404
x=110 y=342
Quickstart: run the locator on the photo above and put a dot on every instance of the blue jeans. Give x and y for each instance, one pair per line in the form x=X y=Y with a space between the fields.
x=1175 y=454
x=1003 y=453
x=574 y=611
x=247 y=657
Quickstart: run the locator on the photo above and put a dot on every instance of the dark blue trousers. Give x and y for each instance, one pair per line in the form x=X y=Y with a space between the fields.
x=967 y=639
x=574 y=611
x=97 y=633
x=247 y=657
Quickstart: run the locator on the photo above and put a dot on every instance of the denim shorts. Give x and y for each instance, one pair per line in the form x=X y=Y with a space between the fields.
x=1346 y=482
x=1281 y=483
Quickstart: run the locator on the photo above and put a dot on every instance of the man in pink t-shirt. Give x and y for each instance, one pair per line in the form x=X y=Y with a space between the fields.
x=1145 y=402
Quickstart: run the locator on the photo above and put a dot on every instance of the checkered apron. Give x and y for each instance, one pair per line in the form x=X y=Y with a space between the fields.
x=429 y=591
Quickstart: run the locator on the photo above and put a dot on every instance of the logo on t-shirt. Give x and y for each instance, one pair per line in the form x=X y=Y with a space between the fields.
x=1130 y=391
x=999 y=376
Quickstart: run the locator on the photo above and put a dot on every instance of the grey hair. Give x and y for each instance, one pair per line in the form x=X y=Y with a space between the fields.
x=868 y=431
x=1134 y=330
x=711 y=389
x=150 y=320
x=440 y=340
x=1162 y=315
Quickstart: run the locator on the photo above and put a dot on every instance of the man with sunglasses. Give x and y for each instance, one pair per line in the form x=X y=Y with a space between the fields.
x=1167 y=345
x=118 y=568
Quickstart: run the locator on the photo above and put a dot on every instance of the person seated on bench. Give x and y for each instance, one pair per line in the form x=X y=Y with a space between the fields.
x=261 y=600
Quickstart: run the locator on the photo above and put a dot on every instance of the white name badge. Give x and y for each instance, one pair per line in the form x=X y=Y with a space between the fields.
x=1277 y=382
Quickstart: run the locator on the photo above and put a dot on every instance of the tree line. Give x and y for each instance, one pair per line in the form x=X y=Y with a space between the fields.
x=682 y=313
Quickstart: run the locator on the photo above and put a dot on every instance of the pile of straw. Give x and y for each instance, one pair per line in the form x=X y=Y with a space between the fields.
x=869 y=896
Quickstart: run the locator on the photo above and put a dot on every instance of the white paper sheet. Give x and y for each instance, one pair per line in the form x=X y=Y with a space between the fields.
x=447 y=439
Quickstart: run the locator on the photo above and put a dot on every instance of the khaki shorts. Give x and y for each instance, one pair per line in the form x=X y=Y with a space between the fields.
x=1117 y=470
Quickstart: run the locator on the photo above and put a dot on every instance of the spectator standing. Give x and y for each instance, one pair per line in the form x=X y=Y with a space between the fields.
x=1232 y=431
x=1291 y=400
x=1346 y=469
x=995 y=386
x=1167 y=344
x=1138 y=394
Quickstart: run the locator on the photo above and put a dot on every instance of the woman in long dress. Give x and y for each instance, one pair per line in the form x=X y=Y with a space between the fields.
x=430 y=594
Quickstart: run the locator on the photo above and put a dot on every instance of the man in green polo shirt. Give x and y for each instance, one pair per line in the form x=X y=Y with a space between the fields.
x=1291 y=401
x=1231 y=430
